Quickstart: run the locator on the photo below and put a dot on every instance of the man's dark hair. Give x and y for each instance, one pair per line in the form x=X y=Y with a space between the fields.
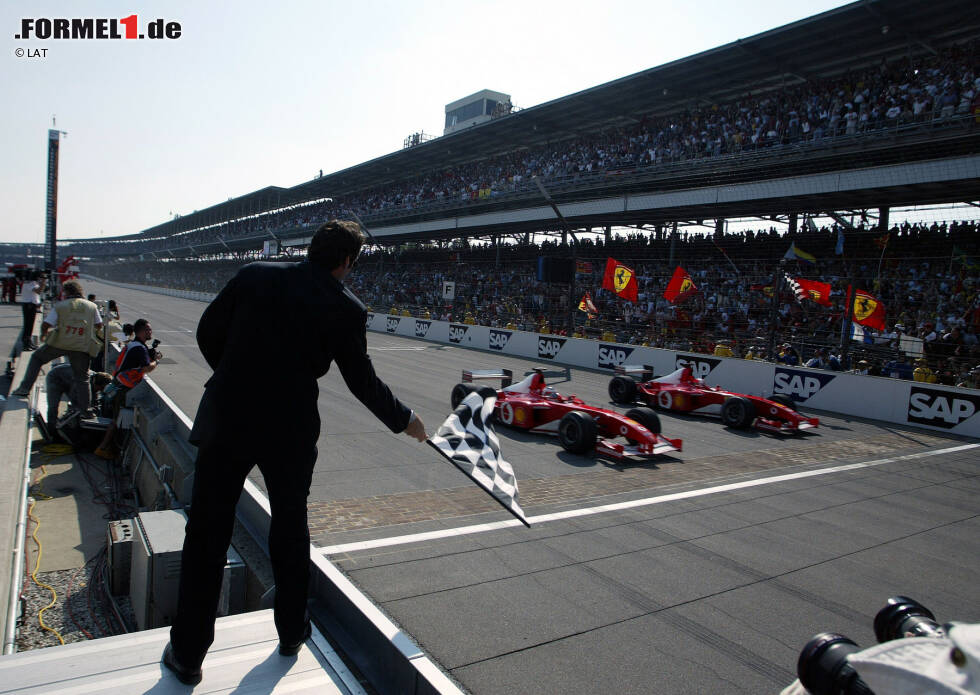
x=335 y=242
x=140 y=325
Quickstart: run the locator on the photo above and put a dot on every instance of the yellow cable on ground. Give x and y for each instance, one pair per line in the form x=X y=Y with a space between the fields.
x=37 y=566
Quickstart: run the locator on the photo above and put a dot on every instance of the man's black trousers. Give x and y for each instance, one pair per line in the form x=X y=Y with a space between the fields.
x=218 y=480
x=29 y=310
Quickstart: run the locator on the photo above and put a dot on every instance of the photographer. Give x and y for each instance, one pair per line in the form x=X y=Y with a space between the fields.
x=30 y=298
x=60 y=381
x=69 y=330
x=136 y=361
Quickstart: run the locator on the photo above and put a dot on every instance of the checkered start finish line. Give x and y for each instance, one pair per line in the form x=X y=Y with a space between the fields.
x=468 y=440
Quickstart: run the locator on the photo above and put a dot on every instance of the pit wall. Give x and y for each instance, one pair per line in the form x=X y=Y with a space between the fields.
x=929 y=406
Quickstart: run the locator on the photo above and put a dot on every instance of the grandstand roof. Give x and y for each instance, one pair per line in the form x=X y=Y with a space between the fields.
x=859 y=34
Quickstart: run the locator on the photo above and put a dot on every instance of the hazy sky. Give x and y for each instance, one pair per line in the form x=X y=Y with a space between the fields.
x=260 y=93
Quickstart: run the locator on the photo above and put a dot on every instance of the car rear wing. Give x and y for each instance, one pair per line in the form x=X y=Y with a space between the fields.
x=549 y=374
x=506 y=376
x=643 y=372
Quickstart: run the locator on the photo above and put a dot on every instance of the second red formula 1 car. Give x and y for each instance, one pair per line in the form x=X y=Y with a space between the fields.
x=532 y=405
x=682 y=392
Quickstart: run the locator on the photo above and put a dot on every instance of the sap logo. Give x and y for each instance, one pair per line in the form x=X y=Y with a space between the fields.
x=457 y=333
x=799 y=386
x=941 y=408
x=612 y=356
x=391 y=325
x=422 y=328
x=499 y=339
x=549 y=348
x=701 y=367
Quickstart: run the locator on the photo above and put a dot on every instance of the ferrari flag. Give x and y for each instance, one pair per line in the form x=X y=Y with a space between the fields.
x=587 y=306
x=621 y=280
x=467 y=439
x=866 y=309
x=818 y=292
x=680 y=287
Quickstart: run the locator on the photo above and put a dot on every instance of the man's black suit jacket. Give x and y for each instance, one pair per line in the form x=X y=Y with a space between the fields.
x=269 y=335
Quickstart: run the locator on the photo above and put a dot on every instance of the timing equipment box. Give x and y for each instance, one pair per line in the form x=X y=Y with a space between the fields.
x=119 y=542
x=155 y=570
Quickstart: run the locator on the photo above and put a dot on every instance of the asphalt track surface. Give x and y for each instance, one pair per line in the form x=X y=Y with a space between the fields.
x=707 y=572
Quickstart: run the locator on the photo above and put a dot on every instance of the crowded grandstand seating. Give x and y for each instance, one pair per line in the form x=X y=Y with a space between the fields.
x=929 y=284
x=941 y=91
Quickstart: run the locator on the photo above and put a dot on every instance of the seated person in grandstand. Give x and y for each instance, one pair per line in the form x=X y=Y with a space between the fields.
x=134 y=362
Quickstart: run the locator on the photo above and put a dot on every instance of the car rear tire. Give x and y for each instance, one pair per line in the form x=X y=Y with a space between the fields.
x=459 y=392
x=577 y=432
x=622 y=390
x=783 y=400
x=737 y=412
x=646 y=417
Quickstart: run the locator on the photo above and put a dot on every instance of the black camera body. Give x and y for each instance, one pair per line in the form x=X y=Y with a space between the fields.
x=823 y=668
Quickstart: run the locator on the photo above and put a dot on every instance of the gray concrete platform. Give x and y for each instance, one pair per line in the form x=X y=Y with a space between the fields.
x=243 y=659
x=686 y=587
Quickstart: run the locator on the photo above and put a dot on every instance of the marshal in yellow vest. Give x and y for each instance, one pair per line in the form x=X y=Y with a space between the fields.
x=76 y=327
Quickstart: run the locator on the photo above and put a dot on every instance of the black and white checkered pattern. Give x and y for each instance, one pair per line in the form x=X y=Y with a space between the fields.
x=468 y=440
x=800 y=293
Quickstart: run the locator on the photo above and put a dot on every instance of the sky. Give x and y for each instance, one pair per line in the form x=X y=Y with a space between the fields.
x=254 y=93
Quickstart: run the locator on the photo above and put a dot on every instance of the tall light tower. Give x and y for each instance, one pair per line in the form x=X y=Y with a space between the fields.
x=51 y=208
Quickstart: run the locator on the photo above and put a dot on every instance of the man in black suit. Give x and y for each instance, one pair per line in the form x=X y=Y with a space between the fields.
x=254 y=416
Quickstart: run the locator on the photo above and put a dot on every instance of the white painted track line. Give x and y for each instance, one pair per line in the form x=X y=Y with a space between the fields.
x=619 y=506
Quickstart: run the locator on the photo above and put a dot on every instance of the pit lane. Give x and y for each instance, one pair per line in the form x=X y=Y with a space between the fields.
x=702 y=593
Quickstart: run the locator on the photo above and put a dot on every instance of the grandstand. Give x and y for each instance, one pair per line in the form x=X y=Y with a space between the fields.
x=782 y=126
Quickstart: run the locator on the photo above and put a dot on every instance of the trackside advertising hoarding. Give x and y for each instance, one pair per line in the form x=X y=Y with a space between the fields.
x=940 y=408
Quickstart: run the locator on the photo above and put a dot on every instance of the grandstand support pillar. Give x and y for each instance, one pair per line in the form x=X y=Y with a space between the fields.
x=659 y=231
x=792 y=224
x=496 y=246
x=719 y=227
x=608 y=233
x=673 y=244
x=883 y=219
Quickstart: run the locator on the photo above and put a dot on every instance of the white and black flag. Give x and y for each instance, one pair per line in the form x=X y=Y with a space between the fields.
x=468 y=440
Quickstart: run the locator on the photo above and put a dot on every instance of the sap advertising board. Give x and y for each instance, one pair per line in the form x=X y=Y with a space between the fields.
x=931 y=406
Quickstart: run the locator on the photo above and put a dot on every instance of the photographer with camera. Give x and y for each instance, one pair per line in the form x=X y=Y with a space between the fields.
x=69 y=330
x=60 y=382
x=30 y=299
x=136 y=361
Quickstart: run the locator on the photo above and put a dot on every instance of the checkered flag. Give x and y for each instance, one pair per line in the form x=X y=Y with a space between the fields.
x=467 y=439
x=797 y=288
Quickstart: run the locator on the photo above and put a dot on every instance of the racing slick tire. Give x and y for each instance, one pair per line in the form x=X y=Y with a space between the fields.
x=622 y=390
x=646 y=417
x=737 y=412
x=577 y=432
x=783 y=400
x=459 y=392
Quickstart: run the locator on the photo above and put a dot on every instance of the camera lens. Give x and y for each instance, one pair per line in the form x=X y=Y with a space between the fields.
x=905 y=617
x=823 y=668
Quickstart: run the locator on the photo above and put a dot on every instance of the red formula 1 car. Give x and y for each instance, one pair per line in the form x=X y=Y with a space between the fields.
x=681 y=392
x=532 y=405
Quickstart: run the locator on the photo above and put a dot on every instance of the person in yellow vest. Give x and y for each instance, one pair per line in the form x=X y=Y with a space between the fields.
x=426 y=314
x=393 y=311
x=608 y=337
x=923 y=373
x=469 y=320
x=69 y=330
x=579 y=332
x=723 y=349
x=406 y=312
x=511 y=326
